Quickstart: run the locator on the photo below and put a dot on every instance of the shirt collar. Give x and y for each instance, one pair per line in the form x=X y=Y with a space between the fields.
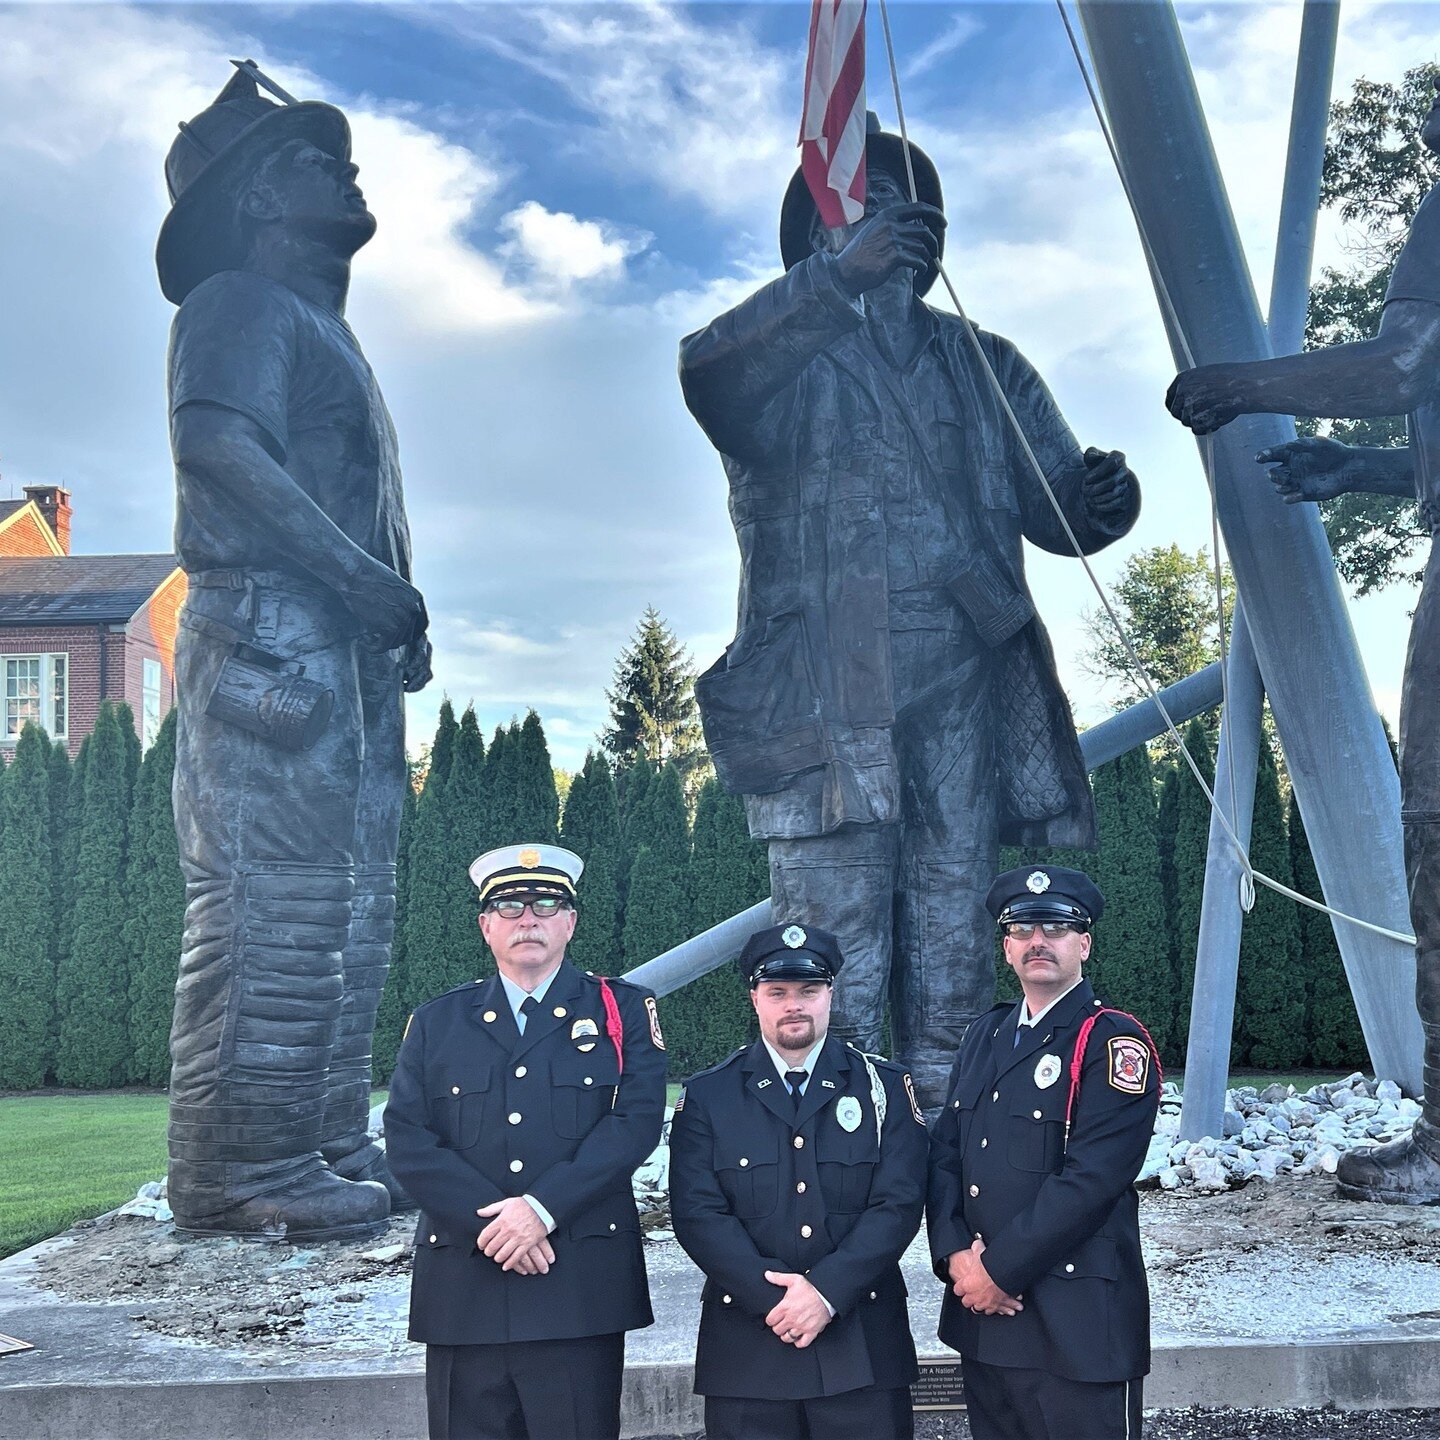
x=1034 y=1020
x=517 y=997
x=782 y=1069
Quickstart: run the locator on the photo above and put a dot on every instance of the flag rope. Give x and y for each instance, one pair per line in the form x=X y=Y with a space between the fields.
x=1249 y=875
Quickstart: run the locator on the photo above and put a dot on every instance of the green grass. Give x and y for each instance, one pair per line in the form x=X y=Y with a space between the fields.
x=68 y=1157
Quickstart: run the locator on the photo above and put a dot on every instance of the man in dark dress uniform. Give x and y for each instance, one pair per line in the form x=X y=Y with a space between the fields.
x=519 y=1110
x=1033 y=1219
x=889 y=706
x=797 y=1178
x=1397 y=372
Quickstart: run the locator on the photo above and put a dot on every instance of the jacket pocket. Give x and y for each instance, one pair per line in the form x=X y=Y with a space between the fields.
x=1037 y=1135
x=581 y=1097
x=458 y=1110
x=749 y=1174
x=1094 y=1260
x=846 y=1184
x=607 y=1220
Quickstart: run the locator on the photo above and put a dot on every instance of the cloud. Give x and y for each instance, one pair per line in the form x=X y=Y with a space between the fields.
x=560 y=250
x=962 y=27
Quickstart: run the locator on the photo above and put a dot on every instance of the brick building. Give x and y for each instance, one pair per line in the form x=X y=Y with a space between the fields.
x=79 y=629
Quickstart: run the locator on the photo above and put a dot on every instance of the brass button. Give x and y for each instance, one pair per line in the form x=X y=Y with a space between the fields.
x=612 y=1226
x=974 y=1190
x=799 y=1142
x=984 y=1142
x=489 y=1017
x=521 y=1072
x=518 y=1165
x=805 y=1232
x=872 y=1294
x=454 y=1089
x=954 y=1104
x=559 y=1012
x=743 y=1162
x=514 y=1117
x=800 y=1188
x=1038 y=1115
x=1069 y=1269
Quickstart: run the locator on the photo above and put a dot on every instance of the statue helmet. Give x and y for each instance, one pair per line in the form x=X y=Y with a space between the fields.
x=884 y=150
x=215 y=153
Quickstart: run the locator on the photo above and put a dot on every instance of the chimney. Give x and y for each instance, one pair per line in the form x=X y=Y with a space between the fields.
x=53 y=502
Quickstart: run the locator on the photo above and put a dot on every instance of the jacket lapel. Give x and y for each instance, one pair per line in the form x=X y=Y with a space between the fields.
x=558 y=1008
x=1036 y=1037
x=763 y=1081
x=827 y=1082
x=490 y=1010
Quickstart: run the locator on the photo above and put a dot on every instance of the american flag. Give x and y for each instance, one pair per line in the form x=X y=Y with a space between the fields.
x=832 y=129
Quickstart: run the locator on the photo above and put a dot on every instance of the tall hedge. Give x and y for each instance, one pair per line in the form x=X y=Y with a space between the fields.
x=92 y=999
x=156 y=919
x=469 y=836
x=391 y=1016
x=27 y=918
x=537 y=805
x=592 y=831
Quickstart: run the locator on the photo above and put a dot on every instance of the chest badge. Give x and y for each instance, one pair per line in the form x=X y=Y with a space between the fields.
x=847 y=1112
x=1047 y=1071
x=584 y=1033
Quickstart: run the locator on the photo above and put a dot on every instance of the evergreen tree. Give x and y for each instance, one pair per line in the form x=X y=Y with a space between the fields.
x=592 y=831
x=652 y=701
x=27 y=919
x=156 y=919
x=537 y=806
x=658 y=911
x=426 y=903
x=125 y=717
x=1270 y=995
x=469 y=835
x=1191 y=847
x=500 y=782
x=58 y=769
x=638 y=780
x=391 y=1016
x=70 y=850
x=1130 y=963
x=1332 y=1026
x=92 y=982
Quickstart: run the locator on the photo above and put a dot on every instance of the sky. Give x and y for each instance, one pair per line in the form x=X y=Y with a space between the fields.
x=563 y=191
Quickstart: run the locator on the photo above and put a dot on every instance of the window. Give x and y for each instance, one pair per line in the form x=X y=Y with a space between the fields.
x=36 y=688
x=150 y=709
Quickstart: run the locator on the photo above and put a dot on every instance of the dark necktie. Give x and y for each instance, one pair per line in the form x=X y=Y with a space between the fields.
x=795 y=1079
x=528 y=1006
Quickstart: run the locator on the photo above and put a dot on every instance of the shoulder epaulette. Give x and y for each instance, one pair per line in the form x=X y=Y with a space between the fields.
x=617 y=980
x=719 y=1065
x=882 y=1061
x=468 y=986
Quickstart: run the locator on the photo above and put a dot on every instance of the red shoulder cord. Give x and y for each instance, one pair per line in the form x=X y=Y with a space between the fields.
x=1077 y=1060
x=614 y=1025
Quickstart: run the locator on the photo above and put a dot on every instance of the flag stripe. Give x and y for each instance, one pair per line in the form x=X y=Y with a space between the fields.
x=832 y=124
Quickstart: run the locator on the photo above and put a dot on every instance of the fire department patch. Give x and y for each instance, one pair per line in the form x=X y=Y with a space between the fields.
x=656 y=1038
x=1129 y=1064
x=914 y=1103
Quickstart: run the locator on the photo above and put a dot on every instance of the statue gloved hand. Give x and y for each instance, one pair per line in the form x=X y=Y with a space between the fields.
x=391 y=610
x=1108 y=484
x=1208 y=396
x=905 y=235
x=1310 y=469
x=415 y=671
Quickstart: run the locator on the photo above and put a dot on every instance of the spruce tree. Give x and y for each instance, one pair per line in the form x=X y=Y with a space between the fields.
x=1191 y=848
x=1270 y=995
x=70 y=851
x=156 y=919
x=635 y=783
x=592 y=831
x=1332 y=1026
x=652 y=701
x=469 y=835
x=58 y=769
x=1130 y=962
x=426 y=904
x=27 y=918
x=537 y=806
x=500 y=782
x=92 y=982
x=125 y=717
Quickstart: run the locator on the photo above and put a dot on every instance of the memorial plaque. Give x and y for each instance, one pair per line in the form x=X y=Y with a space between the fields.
x=938 y=1387
x=9 y=1345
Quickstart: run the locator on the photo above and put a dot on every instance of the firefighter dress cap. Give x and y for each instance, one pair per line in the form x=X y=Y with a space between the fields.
x=790 y=952
x=526 y=870
x=1045 y=892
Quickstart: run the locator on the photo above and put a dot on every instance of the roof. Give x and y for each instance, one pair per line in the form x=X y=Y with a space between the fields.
x=9 y=507
x=78 y=589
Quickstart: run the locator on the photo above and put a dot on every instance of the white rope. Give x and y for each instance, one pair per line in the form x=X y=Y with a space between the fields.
x=1249 y=874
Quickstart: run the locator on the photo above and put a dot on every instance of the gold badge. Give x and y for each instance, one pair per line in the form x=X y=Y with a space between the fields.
x=1129 y=1065
x=489 y=1017
x=656 y=1038
x=529 y=858
x=914 y=1103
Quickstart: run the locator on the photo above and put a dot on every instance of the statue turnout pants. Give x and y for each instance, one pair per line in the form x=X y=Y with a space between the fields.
x=906 y=901
x=289 y=864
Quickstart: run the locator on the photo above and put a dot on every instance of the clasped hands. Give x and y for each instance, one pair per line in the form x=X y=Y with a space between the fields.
x=972 y=1283
x=515 y=1238
x=802 y=1314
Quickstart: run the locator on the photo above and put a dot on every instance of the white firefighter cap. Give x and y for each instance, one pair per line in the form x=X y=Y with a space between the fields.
x=526 y=870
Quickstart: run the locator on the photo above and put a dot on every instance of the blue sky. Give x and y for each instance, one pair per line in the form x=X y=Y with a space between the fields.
x=563 y=191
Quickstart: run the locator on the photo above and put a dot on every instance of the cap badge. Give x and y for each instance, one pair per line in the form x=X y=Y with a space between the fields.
x=529 y=858
x=794 y=937
x=1047 y=1072
x=847 y=1112
x=1037 y=882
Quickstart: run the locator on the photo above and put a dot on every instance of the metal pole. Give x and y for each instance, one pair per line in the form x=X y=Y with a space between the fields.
x=1217 y=957
x=1335 y=749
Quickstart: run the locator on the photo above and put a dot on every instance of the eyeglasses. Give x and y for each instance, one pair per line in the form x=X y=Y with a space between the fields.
x=1051 y=929
x=542 y=907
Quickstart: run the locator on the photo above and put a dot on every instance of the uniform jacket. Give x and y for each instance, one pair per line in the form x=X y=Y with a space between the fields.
x=756 y=1185
x=1060 y=1225
x=810 y=419
x=478 y=1112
